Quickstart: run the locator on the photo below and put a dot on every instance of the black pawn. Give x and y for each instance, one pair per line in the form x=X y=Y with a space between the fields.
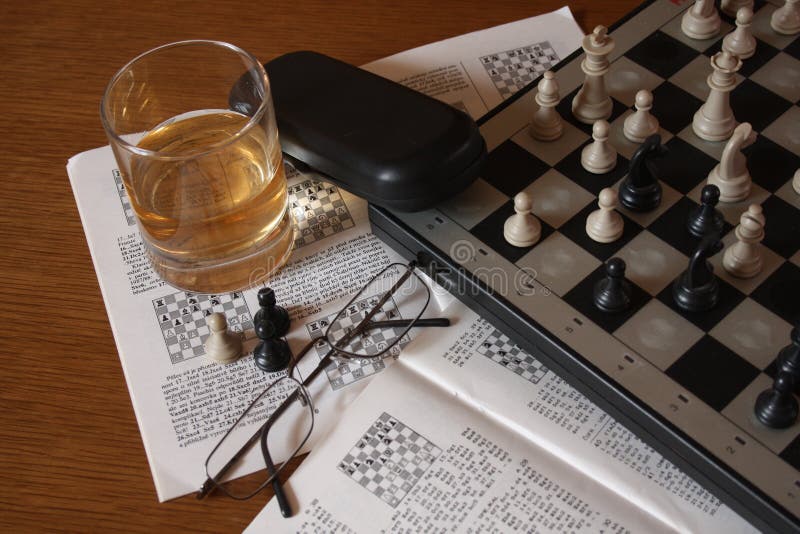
x=777 y=406
x=272 y=353
x=641 y=190
x=697 y=289
x=705 y=219
x=789 y=356
x=277 y=315
x=613 y=293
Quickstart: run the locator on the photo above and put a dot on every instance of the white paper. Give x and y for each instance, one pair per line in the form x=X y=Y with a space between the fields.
x=457 y=70
x=447 y=385
x=184 y=405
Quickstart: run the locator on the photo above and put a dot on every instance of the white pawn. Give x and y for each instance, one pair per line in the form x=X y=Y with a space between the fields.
x=546 y=124
x=221 y=345
x=522 y=229
x=732 y=7
x=641 y=124
x=599 y=157
x=796 y=181
x=731 y=174
x=786 y=19
x=743 y=258
x=741 y=41
x=605 y=225
x=701 y=21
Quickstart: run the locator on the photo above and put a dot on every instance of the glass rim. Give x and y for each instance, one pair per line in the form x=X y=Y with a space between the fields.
x=253 y=119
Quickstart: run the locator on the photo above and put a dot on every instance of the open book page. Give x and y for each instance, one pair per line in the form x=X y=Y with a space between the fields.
x=477 y=71
x=478 y=364
x=410 y=456
x=183 y=401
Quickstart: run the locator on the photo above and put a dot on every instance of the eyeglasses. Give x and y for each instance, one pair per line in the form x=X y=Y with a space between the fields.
x=373 y=325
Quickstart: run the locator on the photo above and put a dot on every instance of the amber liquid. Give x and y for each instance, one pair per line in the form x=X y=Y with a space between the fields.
x=214 y=212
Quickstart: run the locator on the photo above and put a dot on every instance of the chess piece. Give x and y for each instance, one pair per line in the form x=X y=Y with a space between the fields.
x=599 y=157
x=701 y=21
x=732 y=7
x=789 y=356
x=641 y=190
x=714 y=121
x=730 y=175
x=222 y=346
x=741 y=41
x=706 y=219
x=743 y=258
x=786 y=19
x=641 y=124
x=592 y=102
x=269 y=310
x=272 y=354
x=546 y=124
x=796 y=181
x=777 y=406
x=522 y=229
x=612 y=293
x=605 y=224
x=697 y=289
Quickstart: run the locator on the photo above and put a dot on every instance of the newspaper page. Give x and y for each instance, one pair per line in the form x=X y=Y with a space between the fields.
x=477 y=71
x=183 y=402
x=469 y=433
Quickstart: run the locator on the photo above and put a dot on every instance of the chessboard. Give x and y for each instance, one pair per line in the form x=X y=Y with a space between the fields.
x=685 y=382
x=389 y=459
x=343 y=373
x=182 y=319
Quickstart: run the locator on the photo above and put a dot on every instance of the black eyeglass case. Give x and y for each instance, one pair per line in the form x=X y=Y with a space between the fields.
x=378 y=139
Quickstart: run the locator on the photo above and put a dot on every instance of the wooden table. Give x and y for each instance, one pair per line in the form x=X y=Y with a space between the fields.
x=72 y=457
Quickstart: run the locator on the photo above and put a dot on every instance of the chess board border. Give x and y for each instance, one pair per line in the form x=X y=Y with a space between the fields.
x=405 y=233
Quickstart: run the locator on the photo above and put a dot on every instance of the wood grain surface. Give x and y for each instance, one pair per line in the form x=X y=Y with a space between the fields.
x=72 y=457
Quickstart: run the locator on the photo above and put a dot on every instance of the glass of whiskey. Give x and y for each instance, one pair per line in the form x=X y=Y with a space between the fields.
x=204 y=178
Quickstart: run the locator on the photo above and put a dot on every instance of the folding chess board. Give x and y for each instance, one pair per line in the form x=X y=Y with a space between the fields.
x=684 y=382
x=389 y=459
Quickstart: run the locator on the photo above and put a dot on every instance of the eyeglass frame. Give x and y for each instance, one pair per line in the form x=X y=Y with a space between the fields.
x=335 y=352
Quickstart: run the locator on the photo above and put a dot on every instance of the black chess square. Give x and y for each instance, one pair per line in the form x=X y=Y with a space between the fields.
x=792 y=453
x=780 y=292
x=575 y=229
x=683 y=166
x=564 y=109
x=510 y=168
x=729 y=298
x=581 y=297
x=671 y=227
x=490 y=231
x=673 y=107
x=764 y=52
x=770 y=164
x=782 y=231
x=571 y=167
x=712 y=372
x=770 y=106
x=661 y=54
x=793 y=49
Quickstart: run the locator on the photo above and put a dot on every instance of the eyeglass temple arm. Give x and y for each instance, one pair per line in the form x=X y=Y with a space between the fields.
x=400 y=323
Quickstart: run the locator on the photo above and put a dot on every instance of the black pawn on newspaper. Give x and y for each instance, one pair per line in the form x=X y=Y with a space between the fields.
x=272 y=353
x=277 y=315
x=777 y=406
x=789 y=356
x=705 y=219
x=612 y=293
x=697 y=289
x=641 y=190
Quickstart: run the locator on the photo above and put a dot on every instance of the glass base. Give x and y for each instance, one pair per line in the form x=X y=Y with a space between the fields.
x=234 y=274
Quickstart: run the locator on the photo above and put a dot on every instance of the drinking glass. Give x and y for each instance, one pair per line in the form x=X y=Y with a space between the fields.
x=205 y=179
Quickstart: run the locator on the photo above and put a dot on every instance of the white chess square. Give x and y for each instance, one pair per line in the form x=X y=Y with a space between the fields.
x=781 y=75
x=551 y=152
x=650 y=263
x=692 y=78
x=558 y=263
x=785 y=131
x=771 y=261
x=556 y=198
x=625 y=78
x=673 y=29
x=660 y=333
x=762 y=29
x=474 y=204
